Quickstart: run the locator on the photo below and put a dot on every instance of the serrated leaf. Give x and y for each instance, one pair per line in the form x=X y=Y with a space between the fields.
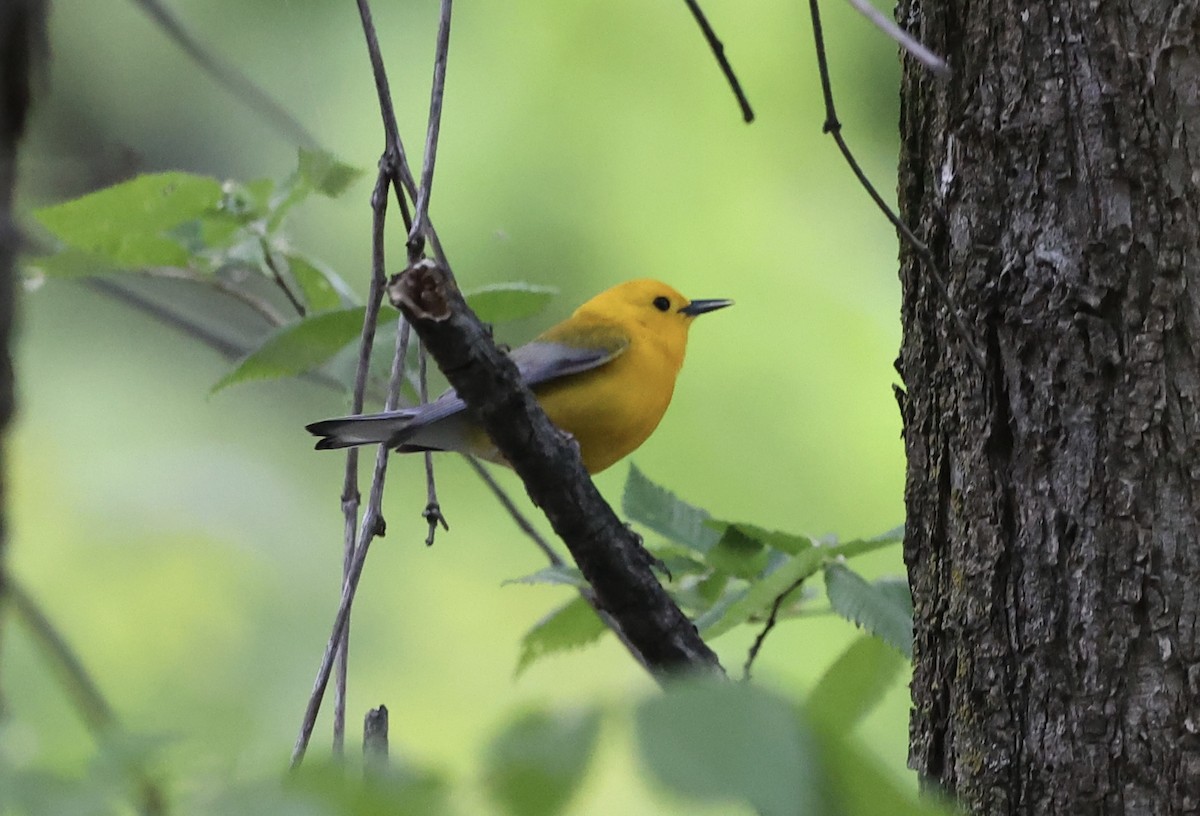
x=880 y=611
x=854 y=684
x=537 y=762
x=129 y=224
x=663 y=512
x=790 y=543
x=738 y=554
x=323 y=290
x=325 y=173
x=504 y=302
x=300 y=346
x=717 y=742
x=554 y=575
x=571 y=626
x=757 y=599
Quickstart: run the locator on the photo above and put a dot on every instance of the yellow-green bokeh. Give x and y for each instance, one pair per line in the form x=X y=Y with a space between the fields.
x=189 y=546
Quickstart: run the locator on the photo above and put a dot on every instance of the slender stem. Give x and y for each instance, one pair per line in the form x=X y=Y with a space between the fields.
x=507 y=503
x=905 y=40
x=433 y=509
x=416 y=237
x=718 y=49
x=350 y=494
x=772 y=619
x=277 y=275
x=834 y=128
x=260 y=305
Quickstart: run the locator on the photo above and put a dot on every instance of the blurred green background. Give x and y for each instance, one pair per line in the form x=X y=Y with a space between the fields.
x=189 y=546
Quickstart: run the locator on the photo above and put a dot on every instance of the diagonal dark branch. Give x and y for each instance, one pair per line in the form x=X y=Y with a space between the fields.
x=234 y=81
x=609 y=554
x=718 y=49
x=834 y=128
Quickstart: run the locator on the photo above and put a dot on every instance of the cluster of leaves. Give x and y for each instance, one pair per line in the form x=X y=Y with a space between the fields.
x=713 y=742
x=724 y=574
x=231 y=236
x=705 y=741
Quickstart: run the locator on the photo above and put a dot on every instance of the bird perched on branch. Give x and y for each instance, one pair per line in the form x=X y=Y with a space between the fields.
x=604 y=375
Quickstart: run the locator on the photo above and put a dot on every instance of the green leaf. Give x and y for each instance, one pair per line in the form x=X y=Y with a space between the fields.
x=300 y=346
x=129 y=224
x=880 y=610
x=324 y=173
x=760 y=596
x=789 y=543
x=571 y=626
x=322 y=288
x=554 y=575
x=659 y=509
x=718 y=741
x=74 y=263
x=538 y=761
x=854 y=684
x=317 y=788
x=503 y=302
x=738 y=554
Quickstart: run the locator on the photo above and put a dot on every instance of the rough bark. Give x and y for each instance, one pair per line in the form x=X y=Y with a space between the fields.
x=1053 y=539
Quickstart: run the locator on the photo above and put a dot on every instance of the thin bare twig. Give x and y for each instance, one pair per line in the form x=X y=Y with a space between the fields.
x=905 y=40
x=393 y=165
x=433 y=509
x=772 y=619
x=350 y=494
x=260 y=305
x=834 y=128
x=416 y=233
x=517 y=516
x=718 y=49
x=277 y=275
x=237 y=83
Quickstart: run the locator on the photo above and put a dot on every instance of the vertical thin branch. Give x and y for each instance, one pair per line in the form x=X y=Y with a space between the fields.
x=393 y=166
x=416 y=239
x=372 y=526
x=433 y=510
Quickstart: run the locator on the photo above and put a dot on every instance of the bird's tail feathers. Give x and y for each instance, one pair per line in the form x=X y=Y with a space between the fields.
x=367 y=429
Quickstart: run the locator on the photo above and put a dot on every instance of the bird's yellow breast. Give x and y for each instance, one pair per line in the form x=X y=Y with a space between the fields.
x=611 y=410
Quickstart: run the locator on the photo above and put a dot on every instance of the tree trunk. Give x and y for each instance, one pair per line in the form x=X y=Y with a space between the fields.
x=1053 y=499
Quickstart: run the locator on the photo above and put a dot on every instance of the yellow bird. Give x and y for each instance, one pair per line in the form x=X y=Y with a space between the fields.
x=604 y=375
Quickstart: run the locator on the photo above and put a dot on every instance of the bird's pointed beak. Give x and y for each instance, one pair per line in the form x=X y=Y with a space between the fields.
x=699 y=307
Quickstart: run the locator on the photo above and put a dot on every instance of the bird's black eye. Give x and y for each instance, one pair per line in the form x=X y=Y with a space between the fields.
x=662 y=303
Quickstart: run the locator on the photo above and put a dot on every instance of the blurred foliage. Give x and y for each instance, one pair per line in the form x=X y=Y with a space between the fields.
x=192 y=553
